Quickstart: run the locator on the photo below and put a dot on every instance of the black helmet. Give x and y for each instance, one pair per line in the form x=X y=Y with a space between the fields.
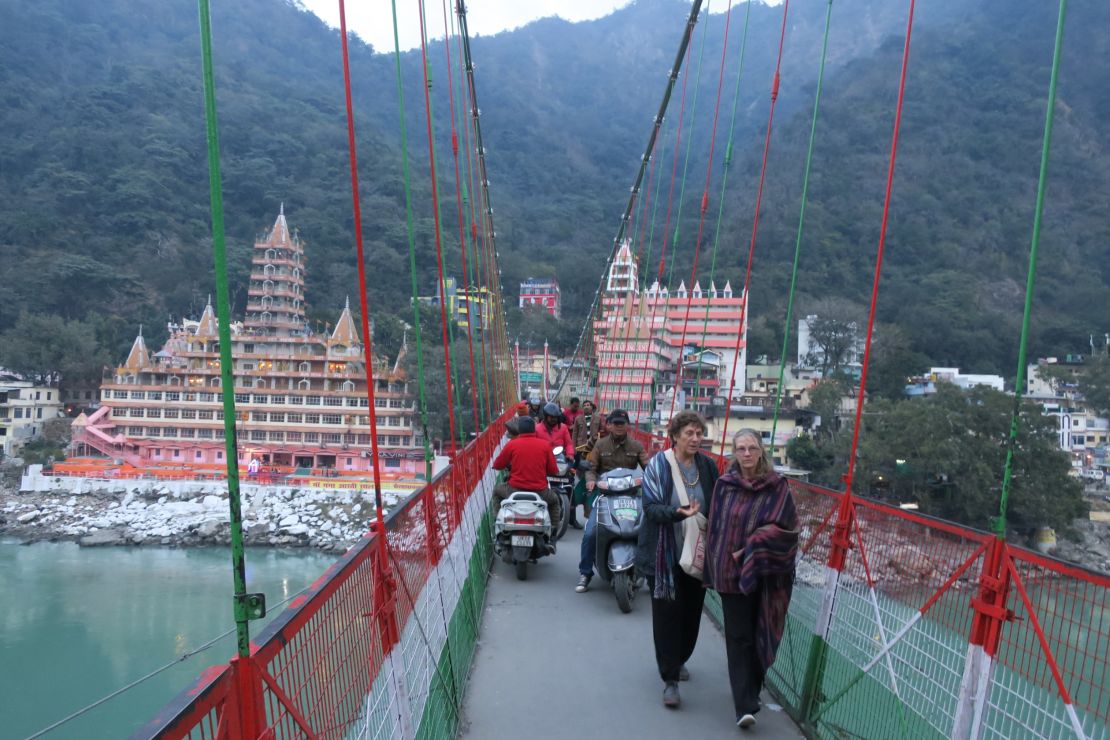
x=552 y=409
x=525 y=425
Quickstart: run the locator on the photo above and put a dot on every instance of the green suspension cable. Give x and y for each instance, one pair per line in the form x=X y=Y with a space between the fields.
x=686 y=161
x=1019 y=384
x=242 y=607
x=423 y=401
x=654 y=211
x=801 y=229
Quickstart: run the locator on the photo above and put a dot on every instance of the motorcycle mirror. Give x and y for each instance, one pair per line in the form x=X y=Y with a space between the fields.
x=557 y=451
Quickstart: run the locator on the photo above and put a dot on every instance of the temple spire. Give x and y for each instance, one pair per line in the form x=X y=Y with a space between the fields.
x=346 y=333
x=207 y=327
x=139 y=356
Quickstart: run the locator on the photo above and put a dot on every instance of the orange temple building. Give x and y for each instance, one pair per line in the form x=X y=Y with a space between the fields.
x=300 y=395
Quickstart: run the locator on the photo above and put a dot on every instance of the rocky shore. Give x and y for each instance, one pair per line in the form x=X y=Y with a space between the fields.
x=288 y=517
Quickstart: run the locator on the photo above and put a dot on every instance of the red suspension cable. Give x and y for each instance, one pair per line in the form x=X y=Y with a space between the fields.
x=879 y=257
x=704 y=208
x=666 y=229
x=363 y=307
x=755 y=221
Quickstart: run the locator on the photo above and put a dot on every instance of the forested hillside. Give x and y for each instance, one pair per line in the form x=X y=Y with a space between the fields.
x=103 y=181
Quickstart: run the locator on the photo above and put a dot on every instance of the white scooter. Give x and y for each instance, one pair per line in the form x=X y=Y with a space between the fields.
x=522 y=532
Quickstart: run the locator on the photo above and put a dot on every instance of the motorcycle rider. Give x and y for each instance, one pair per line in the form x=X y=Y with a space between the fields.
x=530 y=461
x=553 y=429
x=616 y=450
x=535 y=408
x=557 y=435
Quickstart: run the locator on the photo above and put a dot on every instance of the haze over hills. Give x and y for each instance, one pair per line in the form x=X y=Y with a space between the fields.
x=104 y=206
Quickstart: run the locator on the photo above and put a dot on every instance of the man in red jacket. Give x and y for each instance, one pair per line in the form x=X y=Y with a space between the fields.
x=530 y=461
x=554 y=431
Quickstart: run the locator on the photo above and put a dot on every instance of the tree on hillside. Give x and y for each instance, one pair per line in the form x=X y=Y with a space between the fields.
x=1094 y=384
x=835 y=332
x=533 y=325
x=947 y=452
x=824 y=400
x=435 y=389
x=893 y=362
x=49 y=349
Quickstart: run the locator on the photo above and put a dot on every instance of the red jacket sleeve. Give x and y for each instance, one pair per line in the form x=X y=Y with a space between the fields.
x=505 y=458
x=568 y=444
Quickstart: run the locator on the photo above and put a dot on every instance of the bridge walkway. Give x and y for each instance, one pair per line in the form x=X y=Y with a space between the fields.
x=554 y=664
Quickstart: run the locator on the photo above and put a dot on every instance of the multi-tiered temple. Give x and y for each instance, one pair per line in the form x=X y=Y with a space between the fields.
x=300 y=395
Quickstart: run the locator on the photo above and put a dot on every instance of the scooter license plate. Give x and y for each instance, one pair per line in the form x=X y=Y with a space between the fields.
x=625 y=502
x=522 y=540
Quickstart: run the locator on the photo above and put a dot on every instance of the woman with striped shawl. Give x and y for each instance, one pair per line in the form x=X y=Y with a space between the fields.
x=751 y=541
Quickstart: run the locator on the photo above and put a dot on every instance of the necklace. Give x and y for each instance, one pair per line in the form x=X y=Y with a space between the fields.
x=682 y=471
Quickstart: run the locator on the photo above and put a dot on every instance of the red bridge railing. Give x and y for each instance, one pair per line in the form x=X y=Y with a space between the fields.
x=340 y=660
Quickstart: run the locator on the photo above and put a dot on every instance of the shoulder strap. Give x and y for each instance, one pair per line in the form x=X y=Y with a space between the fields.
x=676 y=475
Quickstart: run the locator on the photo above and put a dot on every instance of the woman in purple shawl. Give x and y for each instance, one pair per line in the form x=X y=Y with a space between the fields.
x=751 y=541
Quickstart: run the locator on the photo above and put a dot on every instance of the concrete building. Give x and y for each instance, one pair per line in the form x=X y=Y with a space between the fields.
x=475 y=305
x=576 y=378
x=542 y=292
x=643 y=337
x=1052 y=382
x=24 y=410
x=926 y=385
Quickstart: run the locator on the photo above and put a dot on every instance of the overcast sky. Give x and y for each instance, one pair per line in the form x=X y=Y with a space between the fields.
x=372 y=20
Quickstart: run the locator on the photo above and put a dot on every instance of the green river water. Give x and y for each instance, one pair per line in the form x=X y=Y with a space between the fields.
x=78 y=623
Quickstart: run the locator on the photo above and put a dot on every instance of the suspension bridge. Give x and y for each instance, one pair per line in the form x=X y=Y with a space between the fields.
x=901 y=625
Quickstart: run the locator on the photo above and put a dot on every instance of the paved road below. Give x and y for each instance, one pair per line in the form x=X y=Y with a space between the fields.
x=552 y=663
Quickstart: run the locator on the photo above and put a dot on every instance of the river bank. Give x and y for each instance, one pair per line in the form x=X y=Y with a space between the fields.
x=150 y=514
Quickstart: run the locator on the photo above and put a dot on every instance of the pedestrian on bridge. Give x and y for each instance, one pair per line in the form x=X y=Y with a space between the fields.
x=678 y=485
x=751 y=543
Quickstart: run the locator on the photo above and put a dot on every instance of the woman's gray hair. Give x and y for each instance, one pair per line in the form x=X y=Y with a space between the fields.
x=764 y=466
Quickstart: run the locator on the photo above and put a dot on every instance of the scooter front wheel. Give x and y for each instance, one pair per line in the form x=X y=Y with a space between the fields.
x=564 y=520
x=522 y=570
x=624 y=588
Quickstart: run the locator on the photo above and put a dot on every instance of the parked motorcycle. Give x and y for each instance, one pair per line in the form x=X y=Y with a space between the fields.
x=522 y=532
x=620 y=514
x=563 y=486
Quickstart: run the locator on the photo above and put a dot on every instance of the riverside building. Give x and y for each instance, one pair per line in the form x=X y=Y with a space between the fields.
x=300 y=395
x=640 y=335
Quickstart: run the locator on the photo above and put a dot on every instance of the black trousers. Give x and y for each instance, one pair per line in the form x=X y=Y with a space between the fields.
x=675 y=624
x=745 y=672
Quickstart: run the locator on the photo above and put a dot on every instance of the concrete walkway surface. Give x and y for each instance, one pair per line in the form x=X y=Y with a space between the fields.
x=554 y=664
